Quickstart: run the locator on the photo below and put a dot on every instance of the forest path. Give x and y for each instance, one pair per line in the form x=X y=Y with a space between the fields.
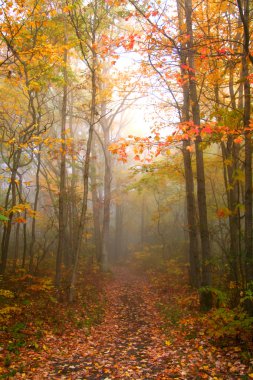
x=130 y=344
x=127 y=345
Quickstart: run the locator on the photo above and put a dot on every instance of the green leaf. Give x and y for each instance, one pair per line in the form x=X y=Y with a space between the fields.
x=3 y=218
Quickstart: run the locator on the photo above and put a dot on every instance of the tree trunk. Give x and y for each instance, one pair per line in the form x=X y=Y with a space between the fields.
x=83 y=213
x=192 y=226
x=73 y=214
x=191 y=218
x=107 y=201
x=35 y=208
x=142 y=221
x=96 y=212
x=16 y=247
x=229 y=154
x=201 y=188
x=85 y=178
x=24 y=243
x=118 y=246
x=8 y=227
x=244 y=15
x=62 y=191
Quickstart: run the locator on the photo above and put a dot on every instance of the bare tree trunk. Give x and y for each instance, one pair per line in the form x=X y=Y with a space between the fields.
x=17 y=230
x=228 y=153
x=24 y=243
x=107 y=200
x=96 y=213
x=191 y=218
x=201 y=188
x=194 y=259
x=83 y=212
x=8 y=227
x=230 y=156
x=244 y=15
x=85 y=178
x=118 y=239
x=142 y=221
x=35 y=208
x=16 y=247
x=62 y=191
x=73 y=213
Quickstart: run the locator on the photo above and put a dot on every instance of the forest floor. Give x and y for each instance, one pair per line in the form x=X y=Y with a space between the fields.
x=147 y=332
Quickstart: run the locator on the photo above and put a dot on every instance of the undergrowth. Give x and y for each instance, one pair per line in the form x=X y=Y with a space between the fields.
x=224 y=326
x=31 y=309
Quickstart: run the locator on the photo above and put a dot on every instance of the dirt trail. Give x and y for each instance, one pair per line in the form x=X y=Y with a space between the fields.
x=127 y=345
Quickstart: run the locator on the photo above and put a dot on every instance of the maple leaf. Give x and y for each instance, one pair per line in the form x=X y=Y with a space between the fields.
x=207 y=130
x=20 y=220
x=223 y=212
x=238 y=140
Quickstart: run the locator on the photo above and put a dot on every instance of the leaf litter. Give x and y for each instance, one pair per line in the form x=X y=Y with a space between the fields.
x=132 y=342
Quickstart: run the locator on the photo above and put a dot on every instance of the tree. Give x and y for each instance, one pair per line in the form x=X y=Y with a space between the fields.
x=87 y=21
x=30 y=66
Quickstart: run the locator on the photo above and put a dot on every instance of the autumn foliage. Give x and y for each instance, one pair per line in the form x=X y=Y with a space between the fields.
x=126 y=202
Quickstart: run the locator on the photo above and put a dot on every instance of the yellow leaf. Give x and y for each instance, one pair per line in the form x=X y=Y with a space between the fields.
x=190 y=148
x=168 y=343
x=228 y=162
x=6 y=293
x=66 y=9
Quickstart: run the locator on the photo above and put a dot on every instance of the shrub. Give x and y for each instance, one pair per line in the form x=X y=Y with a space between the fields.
x=226 y=324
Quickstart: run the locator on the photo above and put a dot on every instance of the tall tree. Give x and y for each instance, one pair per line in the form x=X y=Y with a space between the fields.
x=244 y=11
x=62 y=187
x=201 y=188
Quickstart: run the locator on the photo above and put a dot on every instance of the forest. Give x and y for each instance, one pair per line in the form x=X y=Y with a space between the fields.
x=126 y=208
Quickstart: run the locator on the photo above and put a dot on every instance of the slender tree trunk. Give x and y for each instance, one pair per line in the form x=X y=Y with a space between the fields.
x=96 y=214
x=201 y=188
x=142 y=221
x=85 y=178
x=107 y=201
x=35 y=208
x=17 y=230
x=118 y=239
x=16 y=247
x=62 y=191
x=24 y=243
x=8 y=227
x=83 y=213
x=230 y=155
x=229 y=165
x=73 y=215
x=194 y=259
x=191 y=218
x=244 y=15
